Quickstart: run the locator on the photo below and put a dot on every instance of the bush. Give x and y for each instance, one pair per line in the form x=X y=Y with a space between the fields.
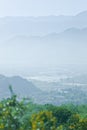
x=44 y=120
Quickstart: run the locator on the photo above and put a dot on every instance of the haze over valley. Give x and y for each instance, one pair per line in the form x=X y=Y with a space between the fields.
x=43 y=41
x=44 y=58
x=43 y=64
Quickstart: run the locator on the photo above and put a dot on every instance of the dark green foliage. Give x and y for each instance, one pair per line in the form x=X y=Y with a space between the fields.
x=24 y=115
x=62 y=115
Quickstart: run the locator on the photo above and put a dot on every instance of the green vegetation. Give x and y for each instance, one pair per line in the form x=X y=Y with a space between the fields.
x=24 y=115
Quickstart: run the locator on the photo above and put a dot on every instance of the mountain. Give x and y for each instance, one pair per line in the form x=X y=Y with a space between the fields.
x=25 y=89
x=21 y=87
x=60 y=92
x=70 y=35
x=10 y=26
x=67 y=47
x=42 y=41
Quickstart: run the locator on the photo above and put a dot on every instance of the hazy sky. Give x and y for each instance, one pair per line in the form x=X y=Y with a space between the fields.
x=41 y=7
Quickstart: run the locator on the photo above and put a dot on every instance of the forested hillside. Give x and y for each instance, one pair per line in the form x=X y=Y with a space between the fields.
x=24 y=115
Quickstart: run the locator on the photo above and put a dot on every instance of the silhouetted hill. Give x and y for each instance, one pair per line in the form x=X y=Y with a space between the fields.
x=21 y=87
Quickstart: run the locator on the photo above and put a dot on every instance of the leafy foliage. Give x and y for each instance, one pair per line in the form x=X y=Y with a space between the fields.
x=23 y=115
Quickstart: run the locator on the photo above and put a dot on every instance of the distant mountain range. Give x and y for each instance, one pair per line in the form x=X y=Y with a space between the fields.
x=70 y=35
x=41 y=25
x=43 y=41
x=67 y=47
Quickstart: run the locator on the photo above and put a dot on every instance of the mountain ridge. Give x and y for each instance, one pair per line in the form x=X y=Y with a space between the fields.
x=21 y=87
x=41 y=25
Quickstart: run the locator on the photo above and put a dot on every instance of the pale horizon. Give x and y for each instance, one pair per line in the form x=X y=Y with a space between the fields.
x=41 y=7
